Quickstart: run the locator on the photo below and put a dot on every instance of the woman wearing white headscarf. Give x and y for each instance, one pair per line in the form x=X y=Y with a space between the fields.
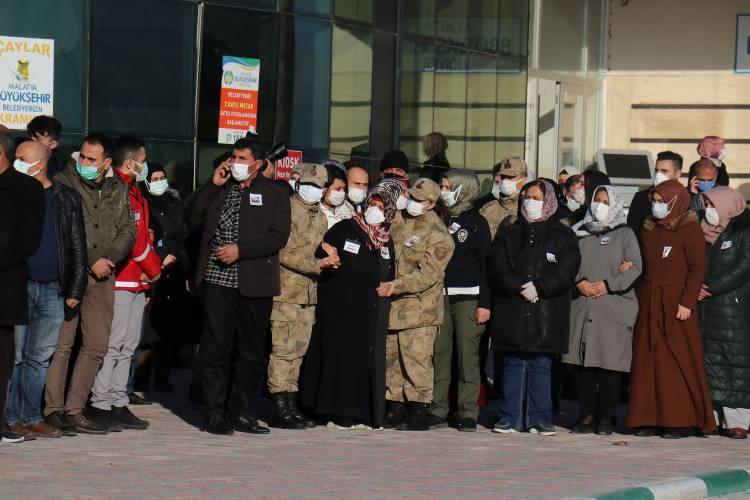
x=604 y=309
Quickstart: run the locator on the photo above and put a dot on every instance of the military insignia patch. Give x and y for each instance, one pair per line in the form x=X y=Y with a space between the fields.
x=462 y=235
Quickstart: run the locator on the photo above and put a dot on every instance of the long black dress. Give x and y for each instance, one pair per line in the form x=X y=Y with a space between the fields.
x=344 y=370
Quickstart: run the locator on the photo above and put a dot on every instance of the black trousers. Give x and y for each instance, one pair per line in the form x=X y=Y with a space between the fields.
x=7 y=358
x=233 y=321
x=598 y=391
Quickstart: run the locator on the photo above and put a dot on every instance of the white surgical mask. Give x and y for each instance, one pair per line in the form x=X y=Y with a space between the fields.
x=240 y=171
x=660 y=209
x=496 y=190
x=450 y=198
x=335 y=198
x=414 y=207
x=143 y=174
x=158 y=188
x=580 y=196
x=24 y=167
x=374 y=216
x=508 y=187
x=712 y=216
x=533 y=208
x=573 y=205
x=599 y=211
x=722 y=154
x=357 y=195
x=659 y=178
x=401 y=203
x=310 y=194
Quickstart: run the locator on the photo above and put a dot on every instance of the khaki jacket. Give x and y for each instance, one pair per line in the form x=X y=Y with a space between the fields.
x=423 y=249
x=299 y=267
x=503 y=211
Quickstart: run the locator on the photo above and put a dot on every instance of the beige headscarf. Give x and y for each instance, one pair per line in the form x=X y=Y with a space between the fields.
x=729 y=204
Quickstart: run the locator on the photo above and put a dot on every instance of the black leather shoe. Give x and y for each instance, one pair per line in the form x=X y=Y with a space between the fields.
x=584 y=426
x=282 y=417
x=436 y=422
x=84 y=425
x=467 y=425
x=123 y=416
x=295 y=411
x=416 y=419
x=249 y=425
x=103 y=418
x=395 y=412
x=605 y=427
x=62 y=421
x=216 y=424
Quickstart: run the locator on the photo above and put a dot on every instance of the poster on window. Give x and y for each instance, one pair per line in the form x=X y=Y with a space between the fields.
x=285 y=165
x=238 y=104
x=27 y=76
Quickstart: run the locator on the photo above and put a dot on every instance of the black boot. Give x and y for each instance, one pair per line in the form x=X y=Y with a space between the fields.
x=292 y=398
x=282 y=417
x=394 y=414
x=417 y=418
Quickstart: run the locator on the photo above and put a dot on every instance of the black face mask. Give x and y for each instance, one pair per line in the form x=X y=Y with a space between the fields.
x=394 y=176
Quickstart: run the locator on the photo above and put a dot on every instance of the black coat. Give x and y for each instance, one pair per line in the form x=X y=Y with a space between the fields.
x=70 y=231
x=167 y=211
x=725 y=316
x=547 y=254
x=344 y=372
x=22 y=215
x=263 y=231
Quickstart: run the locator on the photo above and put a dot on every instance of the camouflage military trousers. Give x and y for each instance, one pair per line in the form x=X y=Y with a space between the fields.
x=408 y=364
x=291 y=326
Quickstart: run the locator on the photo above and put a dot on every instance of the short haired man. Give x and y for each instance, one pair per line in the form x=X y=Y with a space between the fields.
x=22 y=209
x=109 y=400
x=566 y=172
x=55 y=286
x=668 y=167
x=110 y=235
x=246 y=221
x=510 y=175
x=706 y=175
x=47 y=130
x=395 y=164
x=357 y=183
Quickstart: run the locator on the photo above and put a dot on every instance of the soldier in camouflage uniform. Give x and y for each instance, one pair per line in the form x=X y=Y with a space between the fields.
x=510 y=177
x=293 y=312
x=423 y=248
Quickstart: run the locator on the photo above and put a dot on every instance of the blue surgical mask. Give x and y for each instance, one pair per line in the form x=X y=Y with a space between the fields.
x=24 y=167
x=143 y=174
x=704 y=186
x=90 y=173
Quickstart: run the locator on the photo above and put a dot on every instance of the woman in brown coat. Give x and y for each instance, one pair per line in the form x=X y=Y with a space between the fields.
x=669 y=394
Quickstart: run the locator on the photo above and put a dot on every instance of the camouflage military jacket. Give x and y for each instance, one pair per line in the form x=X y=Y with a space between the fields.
x=299 y=267
x=504 y=210
x=423 y=249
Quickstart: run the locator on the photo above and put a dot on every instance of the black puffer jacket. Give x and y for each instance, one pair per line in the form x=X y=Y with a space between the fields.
x=725 y=316
x=167 y=211
x=71 y=243
x=547 y=254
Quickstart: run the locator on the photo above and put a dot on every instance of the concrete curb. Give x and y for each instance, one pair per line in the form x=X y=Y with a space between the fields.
x=704 y=486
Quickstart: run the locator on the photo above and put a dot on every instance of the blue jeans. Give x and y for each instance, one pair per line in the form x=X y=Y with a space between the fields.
x=527 y=386
x=34 y=348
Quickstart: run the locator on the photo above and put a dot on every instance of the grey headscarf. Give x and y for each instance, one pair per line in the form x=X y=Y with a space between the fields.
x=615 y=217
x=469 y=183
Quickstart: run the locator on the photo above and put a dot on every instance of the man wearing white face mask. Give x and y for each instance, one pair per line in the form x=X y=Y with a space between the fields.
x=668 y=166
x=293 y=312
x=511 y=175
x=132 y=279
x=334 y=195
x=246 y=221
x=357 y=182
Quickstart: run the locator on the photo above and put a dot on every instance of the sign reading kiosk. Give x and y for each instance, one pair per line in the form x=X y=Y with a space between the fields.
x=238 y=105
x=26 y=79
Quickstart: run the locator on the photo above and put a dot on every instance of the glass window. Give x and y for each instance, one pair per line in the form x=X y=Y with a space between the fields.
x=351 y=91
x=417 y=95
x=418 y=17
x=358 y=10
x=386 y=15
x=262 y=4
x=594 y=31
x=510 y=121
x=561 y=34
x=142 y=69
x=65 y=23
x=450 y=101
x=177 y=159
x=209 y=157
x=480 y=111
x=452 y=20
x=225 y=33
x=312 y=7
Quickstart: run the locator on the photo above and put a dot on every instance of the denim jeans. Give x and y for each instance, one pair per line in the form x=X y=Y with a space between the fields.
x=34 y=348
x=526 y=386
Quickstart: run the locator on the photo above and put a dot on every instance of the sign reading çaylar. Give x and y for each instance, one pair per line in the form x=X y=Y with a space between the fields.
x=238 y=105
x=27 y=76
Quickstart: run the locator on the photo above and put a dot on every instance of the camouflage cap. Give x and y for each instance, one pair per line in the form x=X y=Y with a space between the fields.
x=512 y=167
x=425 y=190
x=313 y=173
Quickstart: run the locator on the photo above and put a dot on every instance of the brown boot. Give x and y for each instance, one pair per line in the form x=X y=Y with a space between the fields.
x=44 y=430
x=19 y=428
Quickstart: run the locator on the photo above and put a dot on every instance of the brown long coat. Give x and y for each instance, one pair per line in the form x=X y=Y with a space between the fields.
x=669 y=386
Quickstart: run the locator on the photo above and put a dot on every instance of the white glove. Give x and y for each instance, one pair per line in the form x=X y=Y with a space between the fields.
x=528 y=291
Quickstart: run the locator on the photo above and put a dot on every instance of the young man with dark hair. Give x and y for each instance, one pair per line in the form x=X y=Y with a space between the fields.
x=110 y=235
x=668 y=166
x=47 y=130
x=109 y=400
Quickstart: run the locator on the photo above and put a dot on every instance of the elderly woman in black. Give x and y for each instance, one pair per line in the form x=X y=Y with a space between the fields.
x=344 y=373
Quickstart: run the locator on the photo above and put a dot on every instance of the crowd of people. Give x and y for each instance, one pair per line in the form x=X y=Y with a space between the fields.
x=368 y=303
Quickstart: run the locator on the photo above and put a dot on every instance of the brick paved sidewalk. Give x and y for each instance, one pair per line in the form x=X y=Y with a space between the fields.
x=174 y=459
